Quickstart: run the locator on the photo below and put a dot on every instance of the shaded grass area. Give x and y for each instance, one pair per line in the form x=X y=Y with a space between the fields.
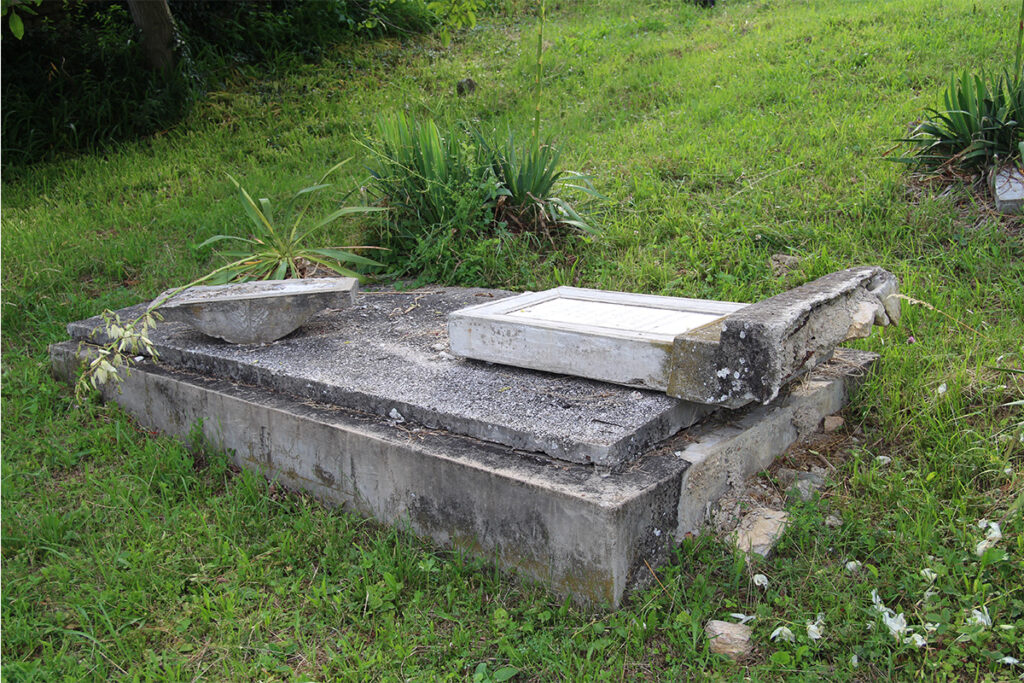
x=720 y=138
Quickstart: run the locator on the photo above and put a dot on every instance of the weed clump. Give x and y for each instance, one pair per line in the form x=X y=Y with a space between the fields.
x=457 y=201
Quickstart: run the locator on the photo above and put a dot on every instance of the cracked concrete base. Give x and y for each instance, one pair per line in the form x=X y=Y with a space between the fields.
x=584 y=531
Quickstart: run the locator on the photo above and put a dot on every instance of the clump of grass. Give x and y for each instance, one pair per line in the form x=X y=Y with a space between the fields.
x=452 y=191
x=279 y=247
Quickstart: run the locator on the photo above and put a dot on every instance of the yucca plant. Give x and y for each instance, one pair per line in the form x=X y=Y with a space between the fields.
x=278 y=249
x=417 y=169
x=977 y=124
x=529 y=175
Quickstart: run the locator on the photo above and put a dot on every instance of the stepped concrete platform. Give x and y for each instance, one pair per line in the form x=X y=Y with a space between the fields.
x=580 y=484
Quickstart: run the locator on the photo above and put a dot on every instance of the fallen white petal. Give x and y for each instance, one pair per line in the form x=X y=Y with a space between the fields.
x=980 y=616
x=784 y=633
x=761 y=580
x=1012 y=661
x=928 y=575
x=942 y=389
x=814 y=627
x=742 y=618
x=854 y=660
x=917 y=639
x=994 y=534
x=982 y=523
x=853 y=566
x=897 y=625
x=883 y=460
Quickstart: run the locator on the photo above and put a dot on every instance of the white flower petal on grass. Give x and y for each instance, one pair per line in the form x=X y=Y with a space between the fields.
x=814 y=627
x=897 y=624
x=853 y=566
x=983 y=547
x=930 y=627
x=742 y=618
x=942 y=389
x=917 y=639
x=854 y=661
x=784 y=633
x=982 y=523
x=1012 y=661
x=883 y=460
x=928 y=575
x=761 y=580
x=994 y=534
x=980 y=616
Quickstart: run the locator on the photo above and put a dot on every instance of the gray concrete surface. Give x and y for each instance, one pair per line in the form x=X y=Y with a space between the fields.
x=1007 y=184
x=387 y=355
x=585 y=531
x=256 y=312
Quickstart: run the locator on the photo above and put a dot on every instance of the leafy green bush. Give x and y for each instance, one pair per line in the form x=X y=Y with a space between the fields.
x=457 y=201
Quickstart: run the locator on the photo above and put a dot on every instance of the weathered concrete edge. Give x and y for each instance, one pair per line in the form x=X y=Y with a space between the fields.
x=725 y=453
x=583 y=534
x=614 y=455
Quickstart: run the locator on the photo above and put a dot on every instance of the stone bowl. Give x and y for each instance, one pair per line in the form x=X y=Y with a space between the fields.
x=257 y=312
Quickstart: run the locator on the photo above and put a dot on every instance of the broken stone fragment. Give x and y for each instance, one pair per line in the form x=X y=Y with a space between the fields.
x=256 y=312
x=1007 y=184
x=782 y=264
x=833 y=423
x=749 y=355
x=726 y=638
x=760 y=530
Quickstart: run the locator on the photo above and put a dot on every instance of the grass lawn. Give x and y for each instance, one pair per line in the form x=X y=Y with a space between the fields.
x=719 y=138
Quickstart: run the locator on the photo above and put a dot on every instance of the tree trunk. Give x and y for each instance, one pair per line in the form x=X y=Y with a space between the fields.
x=154 y=21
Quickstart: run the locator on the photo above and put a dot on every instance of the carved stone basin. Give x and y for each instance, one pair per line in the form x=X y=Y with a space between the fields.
x=257 y=312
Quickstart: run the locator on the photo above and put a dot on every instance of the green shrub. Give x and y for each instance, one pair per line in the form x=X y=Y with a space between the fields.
x=452 y=191
x=977 y=124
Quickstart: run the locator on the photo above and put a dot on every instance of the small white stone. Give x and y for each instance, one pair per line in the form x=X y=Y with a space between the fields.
x=731 y=640
x=833 y=423
x=395 y=415
x=759 y=531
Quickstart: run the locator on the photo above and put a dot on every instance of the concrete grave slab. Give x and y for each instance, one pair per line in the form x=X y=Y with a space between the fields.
x=256 y=312
x=387 y=356
x=585 y=531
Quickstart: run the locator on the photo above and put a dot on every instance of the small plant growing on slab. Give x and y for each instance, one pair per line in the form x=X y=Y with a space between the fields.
x=278 y=247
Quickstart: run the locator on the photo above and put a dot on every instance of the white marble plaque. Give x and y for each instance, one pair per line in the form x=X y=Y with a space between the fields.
x=608 y=336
